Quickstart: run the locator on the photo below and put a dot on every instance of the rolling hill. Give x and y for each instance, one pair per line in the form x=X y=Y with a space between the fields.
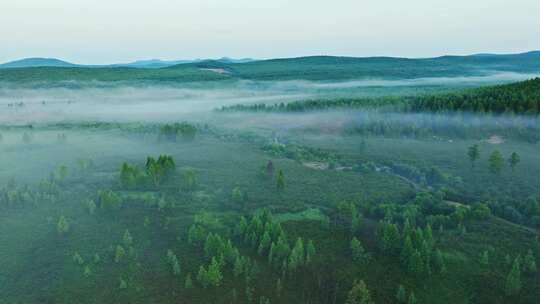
x=316 y=68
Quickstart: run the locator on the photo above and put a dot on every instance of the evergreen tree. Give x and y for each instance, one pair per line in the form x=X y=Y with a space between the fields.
x=513 y=160
x=214 y=273
x=280 y=181
x=265 y=243
x=390 y=238
x=496 y=162
x=87 y=271
x=438 y=261
x=484 y=258
x=239 y=266
x=358 y=252
x=428 y=236
x=119 y=254
x=189 y=282
x=77 y=258
x=473 y=153
x=407 y=252
x=123 y=284
x=359 y=294
x=237 y=195
x=91 y=206
x=401 y=295
x=279 y=287
x=62 y=227
x=529 y=262
x=513 y=280
x=412 y=299
x=127 y=239
x=202 y=277
x=310 y=252
x=416 y=265
x=296 y=258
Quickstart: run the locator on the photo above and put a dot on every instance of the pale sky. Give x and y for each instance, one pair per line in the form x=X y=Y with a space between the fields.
x=110 y=31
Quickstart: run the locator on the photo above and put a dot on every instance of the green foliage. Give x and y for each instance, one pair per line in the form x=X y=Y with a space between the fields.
x=296 y=258
x=62 y=227
x=188 y=284
x=127 y=239
x=211 y=276
x=389 y=238
x=87 y=271
x=280 y=181
x=484 y=258
x=91 y=206
x=359 y=294
x=358 y=252
x=189 y=180
x=119 y=254
x=529 y=262
x=474 y=154
x=109 y=200
x=77 y=258
x=401 y=295
x=178 y=131
x=61 y=173
x=514 y=160
x=172 y=259
x=412 y=299
x=496 y=162
x=513 y=280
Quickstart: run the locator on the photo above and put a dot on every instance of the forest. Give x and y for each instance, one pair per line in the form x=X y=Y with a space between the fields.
x=227 y=191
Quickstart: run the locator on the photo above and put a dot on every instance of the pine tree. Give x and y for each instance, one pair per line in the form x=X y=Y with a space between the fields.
x=280 y=181
x=202 y=277
x=62 y=227
x=359 y=294
x=428 y=236
x=119 y=253
x=358 y=252
x=401 y=295
x=513 y=280
x=496 y=162
x=474 y=154
x=123 y=284
x=279 y=287
x=87 y=271
x=406 y=252
x=239 y=266
x=91 y=206
x=438 y=261
x=189 y=282
x=77 y=258
x=265 y=243
x=513 y=160
x=416 y=265
x=296 y=258
x=412 y=299
x=310 y=252
x=529 y=262
x=484 y=259
x=390 y=238
x=214 y=273
x=127 y=239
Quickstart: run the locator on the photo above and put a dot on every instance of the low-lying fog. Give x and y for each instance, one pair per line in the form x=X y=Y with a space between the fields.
x=125 y=102
x=35 y=157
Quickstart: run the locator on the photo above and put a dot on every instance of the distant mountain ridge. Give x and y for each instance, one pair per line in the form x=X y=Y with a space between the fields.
x=148 y=64
x=313 y=68
x=35 y=62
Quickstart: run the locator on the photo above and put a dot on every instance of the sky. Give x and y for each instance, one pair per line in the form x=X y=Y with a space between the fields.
x=112 y=31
